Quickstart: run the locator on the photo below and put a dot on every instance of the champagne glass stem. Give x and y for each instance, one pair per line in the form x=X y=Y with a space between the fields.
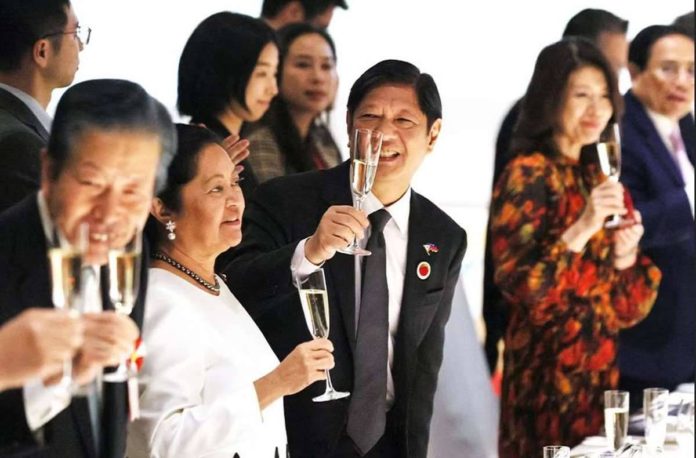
x=329 y=385
x=358 y=206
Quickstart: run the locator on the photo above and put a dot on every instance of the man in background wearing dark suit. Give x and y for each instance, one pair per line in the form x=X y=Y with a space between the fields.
x=388 y=340
x=99 y=169
x=608 y=32
x=40 y=42
x=658 y=137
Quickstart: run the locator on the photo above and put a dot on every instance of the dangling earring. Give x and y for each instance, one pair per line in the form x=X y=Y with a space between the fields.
x=171 y=226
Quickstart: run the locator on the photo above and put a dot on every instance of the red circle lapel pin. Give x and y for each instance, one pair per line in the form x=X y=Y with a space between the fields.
x=423 y=270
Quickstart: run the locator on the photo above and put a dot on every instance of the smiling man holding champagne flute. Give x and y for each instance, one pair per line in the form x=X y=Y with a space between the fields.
x=387 y=316
x=98 y=177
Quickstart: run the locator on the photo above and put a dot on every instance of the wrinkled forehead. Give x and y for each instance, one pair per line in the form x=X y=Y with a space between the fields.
x=393 y=95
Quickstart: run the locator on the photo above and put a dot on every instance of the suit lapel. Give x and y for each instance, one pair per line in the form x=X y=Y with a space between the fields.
x=688 y=131
x=415 y=318
x=657 y=147
x=13 y=105
x=341 y=268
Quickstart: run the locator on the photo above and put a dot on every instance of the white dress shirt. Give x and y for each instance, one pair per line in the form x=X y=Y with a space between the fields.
x=197 y=395
x=396 y=244
x=32 y=104
x=665 y=128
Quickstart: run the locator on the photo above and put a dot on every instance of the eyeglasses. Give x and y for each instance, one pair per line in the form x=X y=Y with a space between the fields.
x=672 y=70
x=82 y=34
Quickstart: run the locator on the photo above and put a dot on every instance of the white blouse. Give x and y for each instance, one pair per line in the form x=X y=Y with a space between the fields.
x=197 y=395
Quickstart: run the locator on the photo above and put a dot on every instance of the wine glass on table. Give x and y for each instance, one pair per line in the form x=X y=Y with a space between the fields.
x=556 y=451
x=65 y=259
x=616 y=418
x=656 y=409
x=364 y=155
x=315 y=306
x=609 y=158
x=124 y=283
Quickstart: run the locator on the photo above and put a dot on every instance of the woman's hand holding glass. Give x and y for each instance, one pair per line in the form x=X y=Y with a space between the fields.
x=626 y=241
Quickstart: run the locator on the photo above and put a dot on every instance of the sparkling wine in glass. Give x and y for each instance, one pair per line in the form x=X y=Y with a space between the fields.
x=609 y=158
x=315 y=305
x=124 y=283
x=364 y=155
x=65 y=259
x=616 y=418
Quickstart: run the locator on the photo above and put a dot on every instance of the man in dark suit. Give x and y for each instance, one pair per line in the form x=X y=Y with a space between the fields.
x=99 y=170
x=388 y=340
x=40 y=42
x=657 y=167
x=608 y=32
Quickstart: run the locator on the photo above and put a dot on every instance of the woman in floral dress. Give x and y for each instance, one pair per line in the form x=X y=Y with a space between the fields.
x=571 y=284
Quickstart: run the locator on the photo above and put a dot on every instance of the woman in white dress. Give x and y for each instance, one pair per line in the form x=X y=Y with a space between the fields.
x=211 y=385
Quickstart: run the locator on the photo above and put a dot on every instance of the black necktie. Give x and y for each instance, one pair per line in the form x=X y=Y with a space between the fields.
x=367 y=412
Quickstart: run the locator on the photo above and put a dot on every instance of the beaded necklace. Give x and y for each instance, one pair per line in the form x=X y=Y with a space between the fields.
x=215 y=288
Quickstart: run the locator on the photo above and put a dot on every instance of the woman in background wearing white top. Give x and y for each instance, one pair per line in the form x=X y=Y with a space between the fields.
x=210 y=385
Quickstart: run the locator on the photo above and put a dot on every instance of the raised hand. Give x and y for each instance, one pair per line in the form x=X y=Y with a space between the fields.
x=337 y=228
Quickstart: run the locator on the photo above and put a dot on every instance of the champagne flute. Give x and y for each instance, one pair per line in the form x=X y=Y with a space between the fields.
x=364 y=155
x=609 y=156
x=124 y=283
x=315 y=306
x=65 y=263
x=616 y=418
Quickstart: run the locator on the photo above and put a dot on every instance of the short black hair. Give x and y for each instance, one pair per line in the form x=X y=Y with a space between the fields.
x=217 y=62
x=312 y=8
x=541 y=105
x=110 y=105
x=23 y=22
x=398 y=72
x=590 y=23
x=685 y=22
x=191 y=140
x=641 y=45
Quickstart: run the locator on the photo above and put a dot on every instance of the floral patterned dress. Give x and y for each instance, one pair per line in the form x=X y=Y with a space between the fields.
x=566 y=308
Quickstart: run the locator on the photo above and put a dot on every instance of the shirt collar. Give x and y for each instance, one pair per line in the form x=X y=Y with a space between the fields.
x=31 y=103
x=400 y=210
x=664 y=125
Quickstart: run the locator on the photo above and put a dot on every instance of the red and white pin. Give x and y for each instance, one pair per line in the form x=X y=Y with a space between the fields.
x=423 y=270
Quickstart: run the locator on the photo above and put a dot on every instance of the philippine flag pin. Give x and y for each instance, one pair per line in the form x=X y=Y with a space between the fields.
x=423 y=270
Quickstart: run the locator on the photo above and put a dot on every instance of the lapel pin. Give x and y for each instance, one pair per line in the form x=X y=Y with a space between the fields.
x=423 y=270
x=431 y=248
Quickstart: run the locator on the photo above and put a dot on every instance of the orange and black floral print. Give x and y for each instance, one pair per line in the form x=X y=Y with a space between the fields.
x=566 y=308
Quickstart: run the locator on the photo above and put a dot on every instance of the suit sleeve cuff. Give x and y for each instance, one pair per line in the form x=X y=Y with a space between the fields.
x=300 y=266
x=42 y=403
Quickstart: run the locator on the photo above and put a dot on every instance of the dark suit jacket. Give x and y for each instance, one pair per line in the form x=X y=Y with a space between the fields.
x=286 y=210
x=661 y=348
x=25 y=283
x=22 y=137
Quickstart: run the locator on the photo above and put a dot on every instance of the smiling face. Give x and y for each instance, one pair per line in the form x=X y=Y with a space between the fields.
x=107 y=182
x=210 y=219
x=262 y=86
x=666 y=85
x=394 y=111
x=585 y=111
x=309 y=79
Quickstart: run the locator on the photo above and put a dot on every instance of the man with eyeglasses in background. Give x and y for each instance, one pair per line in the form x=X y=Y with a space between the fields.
x=40 y=43
x=658 y=139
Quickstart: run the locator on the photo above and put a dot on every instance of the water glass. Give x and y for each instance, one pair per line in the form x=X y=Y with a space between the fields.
x=616 y=418
x=556 y=451
x=655 y=407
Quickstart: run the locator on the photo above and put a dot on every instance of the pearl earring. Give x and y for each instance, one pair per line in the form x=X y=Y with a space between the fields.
x=171 y=226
